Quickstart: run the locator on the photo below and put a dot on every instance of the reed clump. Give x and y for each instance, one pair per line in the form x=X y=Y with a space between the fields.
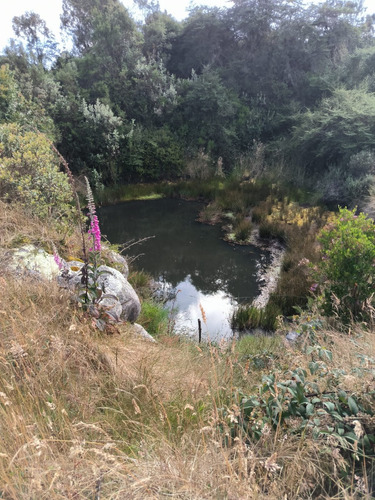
x=248 y=317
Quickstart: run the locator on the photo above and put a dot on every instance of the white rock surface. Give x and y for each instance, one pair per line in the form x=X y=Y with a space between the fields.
x=139 y=330
x=35 y=261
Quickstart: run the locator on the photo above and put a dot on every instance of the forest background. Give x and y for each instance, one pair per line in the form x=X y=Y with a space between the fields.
x=274 y=83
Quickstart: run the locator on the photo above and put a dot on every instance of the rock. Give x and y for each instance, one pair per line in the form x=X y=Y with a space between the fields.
x=119 y=297
x=139 y=330
x=114 y=284
x=292 y=337
x=120 y=262
x=34 y=261
x=70 y=277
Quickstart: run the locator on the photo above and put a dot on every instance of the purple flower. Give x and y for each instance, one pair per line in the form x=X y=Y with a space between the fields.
x=94 y=231
x=57 y=259
x=314 y=287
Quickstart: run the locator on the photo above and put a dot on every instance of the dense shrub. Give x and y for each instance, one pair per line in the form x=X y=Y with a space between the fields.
x=347 y=269
x=29 y=174
x=347 y=183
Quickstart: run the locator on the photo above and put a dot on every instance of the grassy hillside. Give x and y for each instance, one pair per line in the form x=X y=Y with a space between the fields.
x=86 y=414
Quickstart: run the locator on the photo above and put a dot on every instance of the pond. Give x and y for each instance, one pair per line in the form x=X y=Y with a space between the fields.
x=201 y=276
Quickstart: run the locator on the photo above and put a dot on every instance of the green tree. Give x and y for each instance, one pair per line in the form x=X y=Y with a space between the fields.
x=40 y=42
x=206 y=116
x=159 y=34
x=343 y=125
x=204 y=40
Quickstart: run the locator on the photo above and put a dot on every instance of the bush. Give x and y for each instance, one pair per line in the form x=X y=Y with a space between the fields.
x=29 y=174
x=338 y=185
x=347 y=269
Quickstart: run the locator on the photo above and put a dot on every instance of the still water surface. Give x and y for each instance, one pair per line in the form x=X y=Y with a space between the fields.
x=188 y=259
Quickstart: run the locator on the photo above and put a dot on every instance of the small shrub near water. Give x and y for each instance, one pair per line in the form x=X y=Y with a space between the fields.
x=211 y=214
x=242 y=230
x=141 y=282
x=346 y=269
x=249 y=317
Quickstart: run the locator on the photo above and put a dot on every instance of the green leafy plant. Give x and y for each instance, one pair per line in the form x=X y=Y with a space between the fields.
x=297 y=405
x=346 y=270
x=29 y=175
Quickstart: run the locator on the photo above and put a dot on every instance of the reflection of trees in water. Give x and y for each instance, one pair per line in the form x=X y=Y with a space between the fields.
x=235 y=276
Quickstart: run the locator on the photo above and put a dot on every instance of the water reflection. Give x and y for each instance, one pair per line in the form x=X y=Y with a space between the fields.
x=187 y=256
x=213 y=309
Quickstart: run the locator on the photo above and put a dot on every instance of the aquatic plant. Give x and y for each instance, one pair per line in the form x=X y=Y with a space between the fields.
x=248 y=317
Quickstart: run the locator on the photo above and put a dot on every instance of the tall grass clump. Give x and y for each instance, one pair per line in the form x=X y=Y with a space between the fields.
x=210 y=214
x=141 y=282
x=250 y=317
x=242 y=230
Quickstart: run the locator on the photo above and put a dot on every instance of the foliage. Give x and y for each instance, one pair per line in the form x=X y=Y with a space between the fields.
x=151 y=155
x=346 y=270
x=242 y=230
x=343 y=125
x=40 y=42
x=15 y=107
x=338 y=185
x=309 y=402
x=29 y=173
x=294 y=403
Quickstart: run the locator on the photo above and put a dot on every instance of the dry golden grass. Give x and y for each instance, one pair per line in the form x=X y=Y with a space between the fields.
x=18 y=228
x=83 y=412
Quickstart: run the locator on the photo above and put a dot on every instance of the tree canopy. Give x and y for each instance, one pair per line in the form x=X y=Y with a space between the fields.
x=297 y=78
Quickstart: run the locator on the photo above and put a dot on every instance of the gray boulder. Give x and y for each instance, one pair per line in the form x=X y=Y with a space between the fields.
x=115 y=285
x=292 y=337
x=119 y=261
x=119 y=297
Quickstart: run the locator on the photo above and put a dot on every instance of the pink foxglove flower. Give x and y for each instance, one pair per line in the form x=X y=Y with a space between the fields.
x=95 y=233
x=94 y=230
x=56 y=257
